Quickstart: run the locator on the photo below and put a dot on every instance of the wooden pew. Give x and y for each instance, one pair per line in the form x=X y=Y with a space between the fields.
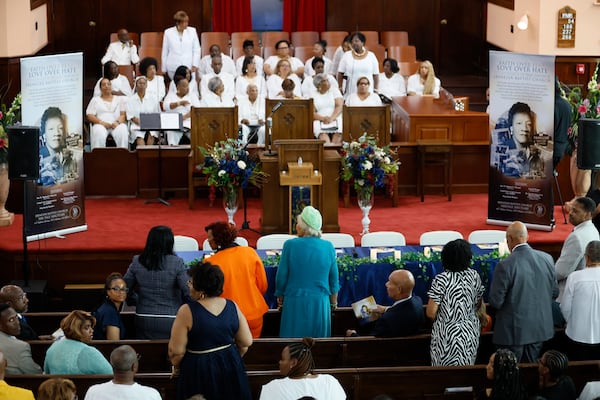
x=338 y=352
x=47 y=322
x=359 y=383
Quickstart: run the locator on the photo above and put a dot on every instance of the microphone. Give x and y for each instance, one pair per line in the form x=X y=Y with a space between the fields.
x=270 y=121
x=276 y=107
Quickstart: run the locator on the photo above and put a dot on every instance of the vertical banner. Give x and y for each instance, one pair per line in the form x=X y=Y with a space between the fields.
x=52 y=98
x=522 y=121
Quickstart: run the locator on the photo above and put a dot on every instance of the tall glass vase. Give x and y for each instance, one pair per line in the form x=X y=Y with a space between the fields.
x=6 y=218
x=230 y=202
x=365 y=197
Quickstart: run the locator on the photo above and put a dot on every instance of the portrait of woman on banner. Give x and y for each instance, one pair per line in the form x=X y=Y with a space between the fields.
x=514 y=150
x=60 y=154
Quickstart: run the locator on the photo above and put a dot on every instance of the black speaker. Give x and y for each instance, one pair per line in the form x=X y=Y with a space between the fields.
x=588 y=144
x=23 y=153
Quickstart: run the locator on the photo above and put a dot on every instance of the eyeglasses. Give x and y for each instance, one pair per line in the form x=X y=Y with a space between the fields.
x=119 y=289
x=138 y=355
x=22 y=296
x=364 y=83
x=282 y=48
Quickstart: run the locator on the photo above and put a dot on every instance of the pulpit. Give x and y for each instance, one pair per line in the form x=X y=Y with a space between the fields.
x=293 y=120
x=209 y=125
x=376 y=121
x=275 y=194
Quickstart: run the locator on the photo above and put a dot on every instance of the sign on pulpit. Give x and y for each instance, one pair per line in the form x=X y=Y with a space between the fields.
x=300 y=177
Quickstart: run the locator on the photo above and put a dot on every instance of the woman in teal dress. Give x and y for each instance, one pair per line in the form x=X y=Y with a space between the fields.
x=307 y=280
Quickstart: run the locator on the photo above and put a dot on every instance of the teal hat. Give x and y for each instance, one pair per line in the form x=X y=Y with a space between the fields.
x=312 y=217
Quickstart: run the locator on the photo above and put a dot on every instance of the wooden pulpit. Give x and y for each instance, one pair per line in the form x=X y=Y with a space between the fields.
x=376 y=121
x=293 y=120
x=209 y=125
x=275 y=196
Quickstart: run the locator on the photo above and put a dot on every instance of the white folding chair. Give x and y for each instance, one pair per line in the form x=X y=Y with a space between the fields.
x=339 y=240
x=273 y=242
x=382 y=238
x=438 y=238
x=239 y=240
x=487 y=236
x=185 y=243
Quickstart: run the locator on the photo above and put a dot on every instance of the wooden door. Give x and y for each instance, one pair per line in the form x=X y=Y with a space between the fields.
x=459 y=43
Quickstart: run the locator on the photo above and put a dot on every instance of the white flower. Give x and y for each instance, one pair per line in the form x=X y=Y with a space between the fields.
x=360 y=182
x=386 y=160
x=241 y=164
x=367 y=165
x=354 y=145
x=222 y=172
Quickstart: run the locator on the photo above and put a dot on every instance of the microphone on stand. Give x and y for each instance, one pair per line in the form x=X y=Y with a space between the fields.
x=270 y=127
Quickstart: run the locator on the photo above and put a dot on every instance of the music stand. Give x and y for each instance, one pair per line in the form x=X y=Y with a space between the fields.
x=160 y=122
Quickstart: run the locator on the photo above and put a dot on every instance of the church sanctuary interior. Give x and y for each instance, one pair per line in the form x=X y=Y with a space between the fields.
x=442 y=181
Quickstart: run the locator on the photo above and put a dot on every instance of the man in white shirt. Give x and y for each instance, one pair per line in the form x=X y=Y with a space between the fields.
x=125 y=364
x=251 y=113
x=571 y=256
x=123 y=52
x=227 y=79
x=580 y=306
x=206 y=62
x=248 y=46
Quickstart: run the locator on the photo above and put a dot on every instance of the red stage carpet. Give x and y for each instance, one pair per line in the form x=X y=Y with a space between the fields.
x=118 y=224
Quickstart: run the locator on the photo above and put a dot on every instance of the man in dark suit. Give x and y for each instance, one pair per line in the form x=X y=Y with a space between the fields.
x=17 y=352
x=404 y=317
x=15 y=297
x=522 y=291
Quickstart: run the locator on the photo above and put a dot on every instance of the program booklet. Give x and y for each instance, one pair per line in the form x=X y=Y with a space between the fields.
x=363 y=309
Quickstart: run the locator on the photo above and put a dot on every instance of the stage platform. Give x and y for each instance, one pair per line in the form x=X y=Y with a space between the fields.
x=117 y=229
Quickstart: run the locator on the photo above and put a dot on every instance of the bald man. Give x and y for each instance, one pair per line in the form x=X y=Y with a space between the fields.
x=125 y=364
x=122 y=52
x=523 y=289
x=11 y=392
x=15 y=297
x=404 y=317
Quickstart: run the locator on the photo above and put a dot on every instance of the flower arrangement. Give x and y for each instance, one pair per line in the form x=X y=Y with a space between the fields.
x=583 y=106
x=8 y=117
x=228 y=165
x=367 y=164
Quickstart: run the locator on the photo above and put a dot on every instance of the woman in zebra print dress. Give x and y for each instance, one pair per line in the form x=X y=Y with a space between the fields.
x=454 y=298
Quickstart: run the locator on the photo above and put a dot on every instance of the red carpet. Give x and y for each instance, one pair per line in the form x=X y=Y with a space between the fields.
x=122 y=224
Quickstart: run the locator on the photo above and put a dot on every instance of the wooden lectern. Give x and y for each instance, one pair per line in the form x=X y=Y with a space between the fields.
x=275 y=195
x=376 y=121
x=209 y=125
x=293 y=120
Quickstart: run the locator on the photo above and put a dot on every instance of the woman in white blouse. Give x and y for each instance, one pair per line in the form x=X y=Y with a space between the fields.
x=328 y=104
x=283 y=71
x=180 y=46
x=319 y=49
x=106 y=112
x=141 y=102
x=250 y=76
x=181 y=102
x=119 y=83
x=424 y=82
x=358 y=62
x=363 y=97
x=391 y=83
x=155 y=86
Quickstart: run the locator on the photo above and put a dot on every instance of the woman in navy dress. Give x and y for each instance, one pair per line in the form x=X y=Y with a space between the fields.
x=208 y=339
x=109 y=325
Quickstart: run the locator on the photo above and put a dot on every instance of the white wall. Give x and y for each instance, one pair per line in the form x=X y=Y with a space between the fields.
x=23 y=35
x=541 y=36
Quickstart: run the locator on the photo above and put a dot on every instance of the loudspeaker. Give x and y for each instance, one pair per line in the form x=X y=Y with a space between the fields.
x=588 y=144
x=23 y=153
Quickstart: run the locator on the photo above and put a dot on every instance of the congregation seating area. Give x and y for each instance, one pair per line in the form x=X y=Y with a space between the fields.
x=359 y=383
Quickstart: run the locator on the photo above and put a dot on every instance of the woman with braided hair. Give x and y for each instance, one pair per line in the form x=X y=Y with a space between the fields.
x=503 y=371
x=297 y=366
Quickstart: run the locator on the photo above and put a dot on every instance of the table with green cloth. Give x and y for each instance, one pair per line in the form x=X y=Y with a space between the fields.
x=361 y=277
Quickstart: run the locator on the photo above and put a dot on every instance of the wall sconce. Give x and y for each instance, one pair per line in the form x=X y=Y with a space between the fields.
x=523 y=23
